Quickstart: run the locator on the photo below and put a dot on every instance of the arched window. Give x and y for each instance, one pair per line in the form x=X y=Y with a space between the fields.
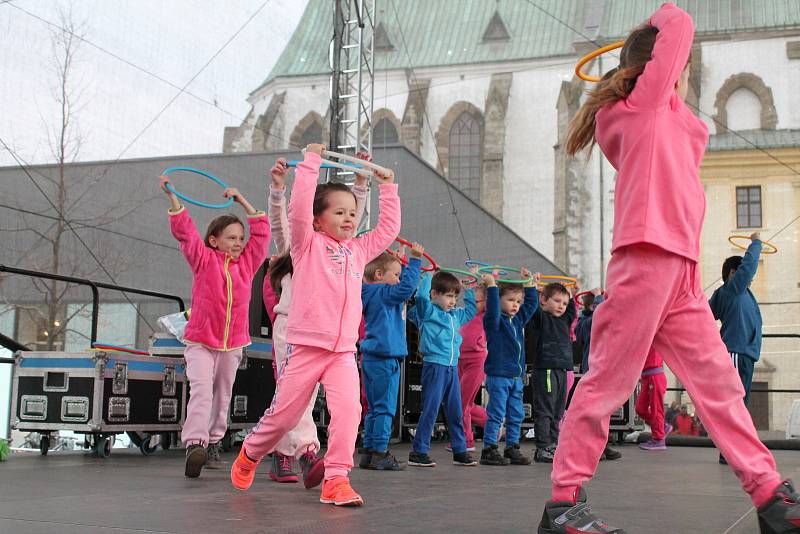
x=384 y=133
x=464 y=156
x=744 y=110
x=312 y=134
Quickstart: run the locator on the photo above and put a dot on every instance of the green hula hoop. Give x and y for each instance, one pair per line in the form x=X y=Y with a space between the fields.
x=461 y=272
x=490 y=268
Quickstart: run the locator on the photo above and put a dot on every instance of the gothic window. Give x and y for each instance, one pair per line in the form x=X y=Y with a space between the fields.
x=312 y=134
x=384 y=133
x=464 y=165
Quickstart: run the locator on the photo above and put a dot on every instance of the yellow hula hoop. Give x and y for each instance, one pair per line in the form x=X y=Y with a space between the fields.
x=568 y=281
x=590 y=56
x=771 y=250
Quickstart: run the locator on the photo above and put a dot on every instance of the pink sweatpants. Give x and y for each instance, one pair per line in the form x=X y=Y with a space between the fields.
x=655 y=298
x=471 y=376
x=304 y=367
x=303 y=437
x=211 y=374
x=650 y=403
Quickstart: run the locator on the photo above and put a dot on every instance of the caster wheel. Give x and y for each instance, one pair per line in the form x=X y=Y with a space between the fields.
x=146 y=448
x=44 y=445
x=104 y=445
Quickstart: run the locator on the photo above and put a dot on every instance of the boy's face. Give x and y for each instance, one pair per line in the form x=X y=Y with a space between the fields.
x=555 y=305
x=389 y=276
x=511 y=301
x=446 y=301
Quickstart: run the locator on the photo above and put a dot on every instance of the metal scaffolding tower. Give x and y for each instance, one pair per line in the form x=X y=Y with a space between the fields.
x=352 y=80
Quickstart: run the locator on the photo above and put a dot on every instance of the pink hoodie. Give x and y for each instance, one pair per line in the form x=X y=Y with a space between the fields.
x=656 y=144
x=473 y=339
x=325 y=308
x=221 y=285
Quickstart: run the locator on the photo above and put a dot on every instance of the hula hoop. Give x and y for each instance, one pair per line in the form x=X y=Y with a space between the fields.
x=489 y=269
x=433 y=265
x=356 y=165
x=476 y=263
x=462 y=272
x=590 y=56
x=190 y=200
x=117 y=348
x=325 y=165
x=772 y=250
x=579 y=297
x=567 y=281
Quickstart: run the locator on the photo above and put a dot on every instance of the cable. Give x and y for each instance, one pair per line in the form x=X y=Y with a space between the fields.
x=448 y=184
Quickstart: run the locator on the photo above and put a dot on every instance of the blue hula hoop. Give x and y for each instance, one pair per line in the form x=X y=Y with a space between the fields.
x=476 y=263
x=190 y=200
x=296 y=162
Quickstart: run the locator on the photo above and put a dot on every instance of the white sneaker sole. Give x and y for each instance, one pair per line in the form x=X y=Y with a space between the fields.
x=415 y=464
x=352 y=502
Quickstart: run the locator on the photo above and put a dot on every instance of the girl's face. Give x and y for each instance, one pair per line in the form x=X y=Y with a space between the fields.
x=230 y=240
x=338 y=220
x=682 y=87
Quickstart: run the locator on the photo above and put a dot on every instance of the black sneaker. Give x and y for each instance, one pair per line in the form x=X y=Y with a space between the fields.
x=195 y=460
x=782 y=513
x=543 y=456
x=463 y=459
x=213 y=461
x=491 y=456
x=385 y=461
x=566 y=517
x=611 y=454
x=515 y=455
x=419 y=459
x=366 y=458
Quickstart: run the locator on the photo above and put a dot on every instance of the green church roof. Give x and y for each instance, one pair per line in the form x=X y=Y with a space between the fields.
x=454 y=32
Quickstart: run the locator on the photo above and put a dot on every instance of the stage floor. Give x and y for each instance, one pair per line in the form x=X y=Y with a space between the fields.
x=682 y=490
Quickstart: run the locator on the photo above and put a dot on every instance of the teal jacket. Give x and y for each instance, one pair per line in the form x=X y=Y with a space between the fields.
x=439 y=338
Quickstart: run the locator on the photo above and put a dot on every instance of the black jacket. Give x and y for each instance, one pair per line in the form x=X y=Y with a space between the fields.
x=549 y=340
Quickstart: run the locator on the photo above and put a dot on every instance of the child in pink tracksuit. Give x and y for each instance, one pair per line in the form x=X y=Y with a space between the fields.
x=300 y=442
x=638 y=117
x=470 y=368
x=322 y=326
x=223 y=267
x=650 y=402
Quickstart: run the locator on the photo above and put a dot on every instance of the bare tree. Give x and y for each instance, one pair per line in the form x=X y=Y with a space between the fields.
x=73 y=199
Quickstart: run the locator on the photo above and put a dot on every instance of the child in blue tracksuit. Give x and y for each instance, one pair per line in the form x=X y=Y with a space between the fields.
x=383 y=298
x=439 y=322
x=508 y=309
x=735 y=306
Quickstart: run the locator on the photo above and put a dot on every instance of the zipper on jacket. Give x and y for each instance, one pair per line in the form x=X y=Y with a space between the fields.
x=519 y=346
x=344 y=305
x=229 y=305
x=452 y=338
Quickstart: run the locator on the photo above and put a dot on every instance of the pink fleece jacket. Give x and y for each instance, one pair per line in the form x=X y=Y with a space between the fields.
x=325 y=308
x=473 y=339
x=656 y=144
x=221 y=285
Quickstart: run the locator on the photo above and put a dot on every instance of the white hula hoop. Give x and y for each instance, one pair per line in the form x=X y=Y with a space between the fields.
x=367 y=167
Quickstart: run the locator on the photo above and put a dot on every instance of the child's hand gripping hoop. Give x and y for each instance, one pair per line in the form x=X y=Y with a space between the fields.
x=590 y=56
x=471 y=279
x=355 y=164
x=771 y=250
x=490 y=269
x=567 y=281
x=200 y=203
x=475 y=263
x=433 y=265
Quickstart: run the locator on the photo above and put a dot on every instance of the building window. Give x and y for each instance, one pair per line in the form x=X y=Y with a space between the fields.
x=748 y=207
x=312 y=134
x=384 y=133
x=464 y=162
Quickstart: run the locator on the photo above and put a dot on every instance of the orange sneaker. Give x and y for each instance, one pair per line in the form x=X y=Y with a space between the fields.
x=338 y=491
x=243 y=471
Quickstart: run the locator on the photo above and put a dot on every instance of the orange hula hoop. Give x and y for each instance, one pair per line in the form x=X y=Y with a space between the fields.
x=567 y=281
x=590 y=56
x=771 y=250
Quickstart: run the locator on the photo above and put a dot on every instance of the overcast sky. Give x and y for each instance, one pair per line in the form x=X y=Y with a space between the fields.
x=172 y=40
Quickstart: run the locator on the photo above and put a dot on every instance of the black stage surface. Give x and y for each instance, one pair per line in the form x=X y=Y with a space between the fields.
x=682 y=490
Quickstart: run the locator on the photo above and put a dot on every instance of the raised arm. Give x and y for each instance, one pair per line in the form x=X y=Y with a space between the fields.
x=276 y=206
x=401 y=292
x=257 y=247
x=491 y=317
x=467 y=313
x=529 y=306
x=192 y=246
x=301 y=213
x=384 y=233
x=423 y=304
x=360 y=192
x=656 y=84
x=744 y=274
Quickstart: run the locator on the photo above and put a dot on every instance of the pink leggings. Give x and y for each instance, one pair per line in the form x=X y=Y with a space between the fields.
x=304 y=367
x=655 y=298
x=471 y=376
x=211 y=375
